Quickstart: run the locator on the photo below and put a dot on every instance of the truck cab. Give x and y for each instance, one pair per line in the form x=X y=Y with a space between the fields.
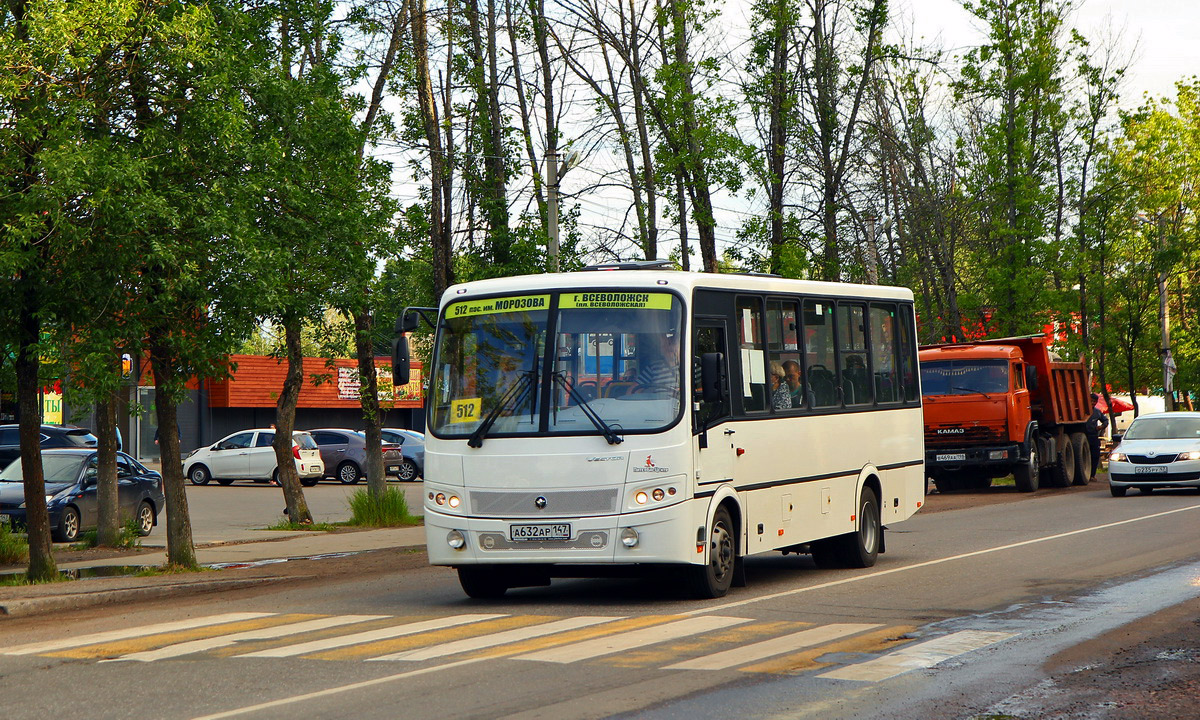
x=977 y=412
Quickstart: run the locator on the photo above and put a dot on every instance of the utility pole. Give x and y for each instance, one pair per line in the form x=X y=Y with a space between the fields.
x=1168 y=363
x=872 y=268
x=552 y=207
x=555 y=172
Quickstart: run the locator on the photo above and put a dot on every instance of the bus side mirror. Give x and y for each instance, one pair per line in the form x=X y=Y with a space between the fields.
x=400 y=358
x=710 y=377
x=408 y=321
x=1031 y=377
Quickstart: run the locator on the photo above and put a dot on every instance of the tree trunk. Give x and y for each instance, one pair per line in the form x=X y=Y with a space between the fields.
x=108 y=517
x=285 y=423
x=37 y=519
x=181 y=553
x=439 y=237
x=368 y=395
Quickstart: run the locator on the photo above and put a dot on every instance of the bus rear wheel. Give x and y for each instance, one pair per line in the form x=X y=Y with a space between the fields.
x=481 y=582
x=858 y=549
x=712 y=580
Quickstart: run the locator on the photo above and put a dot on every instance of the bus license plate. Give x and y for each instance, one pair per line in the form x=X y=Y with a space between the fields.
x=558 y=531
x=1149 y=469
x=950 y=457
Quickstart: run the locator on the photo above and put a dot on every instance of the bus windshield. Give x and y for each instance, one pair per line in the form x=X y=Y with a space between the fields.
x=964 y=377
x=616 y=358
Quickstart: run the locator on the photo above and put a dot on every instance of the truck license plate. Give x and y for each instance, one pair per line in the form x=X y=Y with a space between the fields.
x=950 y=457
x=1149 y=469
x=557 y=531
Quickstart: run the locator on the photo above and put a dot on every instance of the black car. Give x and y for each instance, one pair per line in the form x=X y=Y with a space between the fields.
x=53 y=436
x=71 y=492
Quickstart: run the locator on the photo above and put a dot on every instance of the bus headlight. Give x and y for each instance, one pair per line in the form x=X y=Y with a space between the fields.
x=455 y=540
x=629 y=537
x=641 y=497
x=453 y=501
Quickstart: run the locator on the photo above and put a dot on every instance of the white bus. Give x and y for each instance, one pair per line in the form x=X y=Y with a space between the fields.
x=630 y=416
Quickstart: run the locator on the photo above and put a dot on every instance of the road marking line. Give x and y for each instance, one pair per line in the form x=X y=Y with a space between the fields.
x=151 y=642
x=930 y=563
x=455 y=633
x=922 y=655
x=368 y=636
x=500 y=638
x=195 y=646
x=774 y=646
x=111 y=635
x=574 y=636
x=629 y=640
x=878 y=642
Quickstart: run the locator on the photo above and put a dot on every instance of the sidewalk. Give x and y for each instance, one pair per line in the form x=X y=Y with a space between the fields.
x=241 y=551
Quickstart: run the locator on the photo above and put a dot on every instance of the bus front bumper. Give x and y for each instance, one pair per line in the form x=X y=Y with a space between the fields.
x=662 y=535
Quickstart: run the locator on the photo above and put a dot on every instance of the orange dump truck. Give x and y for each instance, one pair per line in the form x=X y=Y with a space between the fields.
x=1004 y=406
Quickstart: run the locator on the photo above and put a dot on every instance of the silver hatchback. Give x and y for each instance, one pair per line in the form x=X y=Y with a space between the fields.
x=1161 y=450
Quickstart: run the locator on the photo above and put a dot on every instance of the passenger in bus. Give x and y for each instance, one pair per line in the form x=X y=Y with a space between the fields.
x=662 y=372
x=781 y=397
x=795 y=381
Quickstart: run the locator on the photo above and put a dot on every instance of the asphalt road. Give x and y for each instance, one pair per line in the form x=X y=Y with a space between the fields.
x=956 y=620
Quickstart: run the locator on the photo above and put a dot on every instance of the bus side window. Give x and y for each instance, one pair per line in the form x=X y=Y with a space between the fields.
x=852 y=342
x=818 y=352
x=709 y=339
x=883 y=352
x=908 y=356
x=753 y=365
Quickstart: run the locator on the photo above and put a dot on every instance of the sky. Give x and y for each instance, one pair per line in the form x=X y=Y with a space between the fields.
x=1163 y=36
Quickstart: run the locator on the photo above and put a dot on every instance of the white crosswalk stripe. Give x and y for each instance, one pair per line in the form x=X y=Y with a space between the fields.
x=278 y=631
x=770 y=648
x=134 y=632
x=369 y=636
x=921 y=655
x=634 y=639
x=500 y=638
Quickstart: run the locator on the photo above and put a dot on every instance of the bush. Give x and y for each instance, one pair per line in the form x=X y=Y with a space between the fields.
x=391 y=510
x=14 y=549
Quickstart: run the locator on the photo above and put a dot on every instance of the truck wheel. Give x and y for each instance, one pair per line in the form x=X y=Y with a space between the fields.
x=1026 y=475
x=1064 y=469
x=1083 y=458
x=946 y=481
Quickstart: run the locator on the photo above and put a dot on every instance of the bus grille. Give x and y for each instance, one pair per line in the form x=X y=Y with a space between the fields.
x=969 y=436
x=559 y=503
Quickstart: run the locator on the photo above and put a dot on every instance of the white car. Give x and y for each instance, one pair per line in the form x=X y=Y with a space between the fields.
x=1161 y=450
x=249 y=455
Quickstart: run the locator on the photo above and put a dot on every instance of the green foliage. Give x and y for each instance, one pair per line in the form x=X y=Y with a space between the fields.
x=14 y=550
x=390 y=510
x=127 y=539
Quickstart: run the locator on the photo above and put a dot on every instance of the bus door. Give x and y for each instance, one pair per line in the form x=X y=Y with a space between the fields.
x=713 y=446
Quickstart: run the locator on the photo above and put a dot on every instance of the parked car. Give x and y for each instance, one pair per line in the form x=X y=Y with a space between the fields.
x=53 y=436
x=71 y=492
x=249 y=455
x=1161 y=450
x=412 y=448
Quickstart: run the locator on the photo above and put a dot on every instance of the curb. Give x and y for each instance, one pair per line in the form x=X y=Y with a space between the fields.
x=35 y=606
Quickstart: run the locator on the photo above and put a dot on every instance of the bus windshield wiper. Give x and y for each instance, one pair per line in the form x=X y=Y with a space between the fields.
x=609 y=434
x=974 y=390
x=517 y=392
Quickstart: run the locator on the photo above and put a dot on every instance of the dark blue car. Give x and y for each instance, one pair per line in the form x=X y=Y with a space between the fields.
x=71 y=492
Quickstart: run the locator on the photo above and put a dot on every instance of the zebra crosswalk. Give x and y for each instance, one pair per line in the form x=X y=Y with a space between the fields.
x=673 y=643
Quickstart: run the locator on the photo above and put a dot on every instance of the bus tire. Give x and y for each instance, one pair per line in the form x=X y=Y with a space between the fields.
x=825 y=554
x=481 y=582
x=1083 y=459
x=860 y=549
x=1026 y=476
x=1064 y=469
x=712 y=580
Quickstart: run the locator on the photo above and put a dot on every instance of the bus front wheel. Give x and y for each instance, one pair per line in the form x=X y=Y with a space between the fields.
x=712 y=580
x=481 y=582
